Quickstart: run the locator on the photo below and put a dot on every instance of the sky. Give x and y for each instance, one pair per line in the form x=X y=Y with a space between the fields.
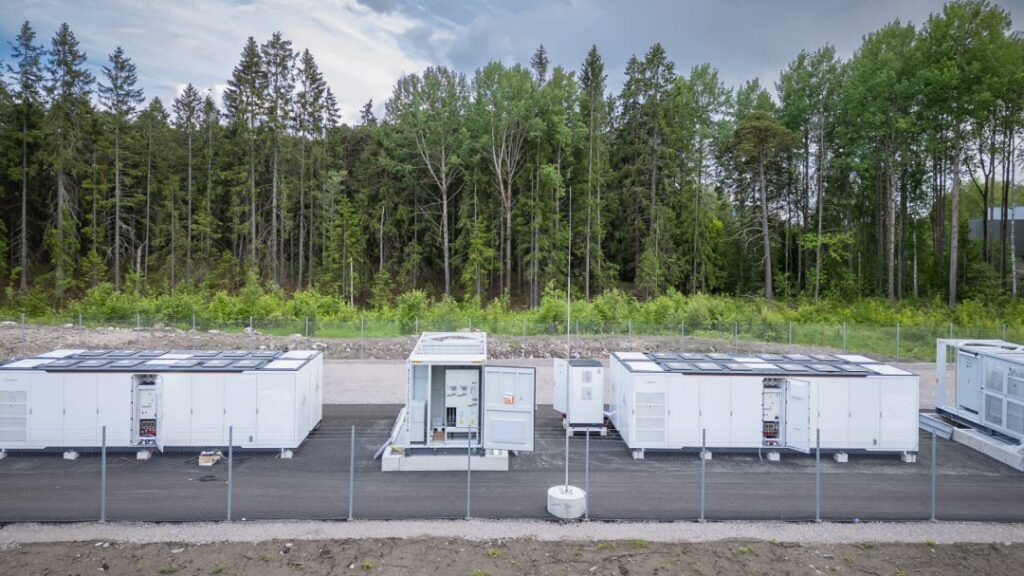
x=364 y=46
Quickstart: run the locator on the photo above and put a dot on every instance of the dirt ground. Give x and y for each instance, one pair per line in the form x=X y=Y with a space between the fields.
x=16 y=341
x=515 y=556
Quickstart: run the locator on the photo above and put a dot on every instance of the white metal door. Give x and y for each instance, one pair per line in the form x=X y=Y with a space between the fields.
x=14 y=410
x=798 y=415
x=46 y=412
x=207 y=427
x=240 y=409
x=833 y=411
x=174 y=418
x=715 y=410
x=275 y=415
x=864 y=413
x=114 y=402
x=561 y=377
x=80 y=410
x=650 y=412
x=746 y=400
x=968 y=382
x=684 y=411
x=898 y=427
x=509 y=402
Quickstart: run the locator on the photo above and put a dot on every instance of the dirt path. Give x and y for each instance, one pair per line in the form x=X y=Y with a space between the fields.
x=517 y=556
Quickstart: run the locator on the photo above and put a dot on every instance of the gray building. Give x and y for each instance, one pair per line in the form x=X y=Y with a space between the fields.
x=1016 y=219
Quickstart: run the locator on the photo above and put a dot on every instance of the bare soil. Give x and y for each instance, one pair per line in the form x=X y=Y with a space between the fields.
x=16 y=341
x=516 y=556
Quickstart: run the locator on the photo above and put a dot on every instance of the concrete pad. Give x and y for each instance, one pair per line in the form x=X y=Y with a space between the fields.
x=1009 y=454
x=394 y=461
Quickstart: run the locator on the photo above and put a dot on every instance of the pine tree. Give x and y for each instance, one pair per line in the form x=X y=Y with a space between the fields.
x=278 y=62
x=27 y=72
x=187 y=117
x=120 y=98
x=69 y=87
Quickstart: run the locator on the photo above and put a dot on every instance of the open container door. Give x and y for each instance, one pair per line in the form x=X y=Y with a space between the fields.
x=798 y=415
x=561 y=377
x=509 y=407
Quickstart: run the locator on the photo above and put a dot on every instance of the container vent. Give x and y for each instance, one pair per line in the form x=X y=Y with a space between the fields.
x=993 y=410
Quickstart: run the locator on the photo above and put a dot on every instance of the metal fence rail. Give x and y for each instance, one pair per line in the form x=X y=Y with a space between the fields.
x=333 y=476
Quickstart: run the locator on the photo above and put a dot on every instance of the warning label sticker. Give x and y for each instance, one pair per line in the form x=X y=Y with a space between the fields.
x=510 y=399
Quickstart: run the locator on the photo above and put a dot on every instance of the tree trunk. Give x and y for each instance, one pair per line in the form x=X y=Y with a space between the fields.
x=188 y=215
x=23 y=232
x=61 y=203
x=117 y=208
x=954 y=227
x=302 y=206
x=768 y=293
x=890 y=231
x=275 y=249
x=252 y=202
x=821 y=203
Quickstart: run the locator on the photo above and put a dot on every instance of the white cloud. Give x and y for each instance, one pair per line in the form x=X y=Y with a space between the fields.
x=174 y=43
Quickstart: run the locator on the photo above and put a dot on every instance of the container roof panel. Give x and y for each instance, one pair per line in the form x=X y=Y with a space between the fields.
x=855 y=358
x=719 y=363
x=453 y=347
x=631 y=355
x=143 y=361
x=640 y=366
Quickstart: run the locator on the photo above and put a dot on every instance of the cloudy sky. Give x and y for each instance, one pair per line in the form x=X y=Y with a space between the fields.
x=363 y=46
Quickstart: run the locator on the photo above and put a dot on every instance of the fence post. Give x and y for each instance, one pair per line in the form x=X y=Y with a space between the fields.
x=22 y=351
x=630 y=327
x=362 y=335
x=469 y=472
x=682 y=336
x=307 y=326
x=844 y=336
x=817 y=475
x=790 y=347
x=524 y=333
x=586 y=478
x=897 y=342
x=231 y=468
x=735 y=335
x=417 y=324
x=103 y=475
x=703 y=471
x=251 y=330
x=138 y=321
x=950 y=329
x=470 y=323
x=935 y=470
x=193 y=322
x=80 y=337
x=352 y=476
x=1004 y=331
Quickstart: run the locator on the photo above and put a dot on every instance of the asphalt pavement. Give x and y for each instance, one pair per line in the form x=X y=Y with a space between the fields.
x=314 y=485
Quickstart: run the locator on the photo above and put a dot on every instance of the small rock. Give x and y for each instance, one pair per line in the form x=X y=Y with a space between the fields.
x=352 y=566
x=213 y=331
x=177 y=551
x=98 y=544
x=8 y=323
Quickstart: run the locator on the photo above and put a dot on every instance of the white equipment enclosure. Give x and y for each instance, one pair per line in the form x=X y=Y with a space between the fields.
x=456 y=402
x=585 y=379
x=988 y=381
x=763 y=401
x=161 y=399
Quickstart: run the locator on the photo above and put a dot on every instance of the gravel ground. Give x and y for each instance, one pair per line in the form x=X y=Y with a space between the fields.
x=35 y=339
x=482 y=530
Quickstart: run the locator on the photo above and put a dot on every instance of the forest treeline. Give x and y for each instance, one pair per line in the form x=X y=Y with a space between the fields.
x=856 y=178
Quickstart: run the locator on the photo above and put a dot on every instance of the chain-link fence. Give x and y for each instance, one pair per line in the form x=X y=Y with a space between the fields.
x=895 y=342
x=333 y=476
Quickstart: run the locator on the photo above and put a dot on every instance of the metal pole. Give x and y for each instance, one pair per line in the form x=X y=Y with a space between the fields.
x=231 y=466
x=844 y=336
x=80 y=330
x=471 y=324
x=22 y=352
x=251 y=330
x=1004 y=331
x=469 y=471
x=790 y=349
x=193 y=322
x=934 y=475
x=630 y=328
x=362 y=335
x=417 y=324
x=524 y=333
x=897 y=342
x=735 y=335
x=950 y=329
x=703 y=471
x=352 y=476
x=307 y=326
x=103 y=476
x=682 y=336
x=586 y=478
x=138 y=321
x=817 y=476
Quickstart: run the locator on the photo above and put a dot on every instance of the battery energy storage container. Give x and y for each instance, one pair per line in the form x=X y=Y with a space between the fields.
x=988 y=384
x=161 y=399
x=777 y=401
x=585 y=380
